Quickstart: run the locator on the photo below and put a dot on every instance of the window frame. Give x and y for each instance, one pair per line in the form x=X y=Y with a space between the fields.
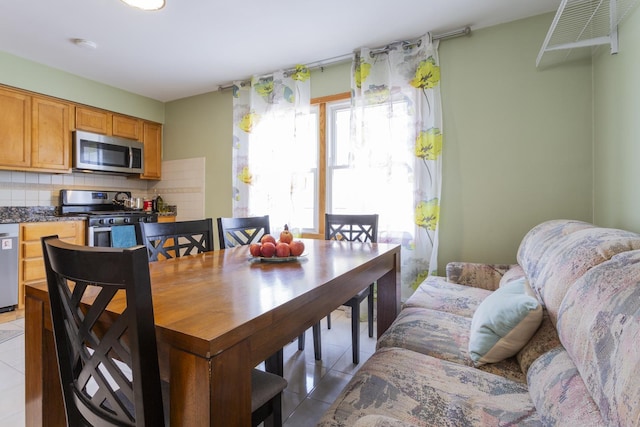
x=321 y=103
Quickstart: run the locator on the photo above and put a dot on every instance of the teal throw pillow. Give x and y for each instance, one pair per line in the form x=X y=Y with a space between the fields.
x=504 y=322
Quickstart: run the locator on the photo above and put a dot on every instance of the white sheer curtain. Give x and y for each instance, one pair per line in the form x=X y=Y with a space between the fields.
x=270 y=118
x=396 y=148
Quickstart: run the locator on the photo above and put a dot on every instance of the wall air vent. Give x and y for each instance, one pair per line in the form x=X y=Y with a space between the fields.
x=580 y=27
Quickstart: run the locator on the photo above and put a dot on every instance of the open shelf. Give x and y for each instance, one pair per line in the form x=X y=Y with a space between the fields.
x=582 y=26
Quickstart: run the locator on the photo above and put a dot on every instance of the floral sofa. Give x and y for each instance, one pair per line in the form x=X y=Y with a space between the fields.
x=578 y=365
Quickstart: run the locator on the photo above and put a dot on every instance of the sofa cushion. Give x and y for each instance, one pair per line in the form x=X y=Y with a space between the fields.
x=545 y=339
x=599 y=325
x=503 y=323
x=380 y=421
x=423 y=390
x=477 y=275
x=567 y=257
x=539 y=240
x=436 y=293
x=516 y=272
x=559 y=393
x=442 y=335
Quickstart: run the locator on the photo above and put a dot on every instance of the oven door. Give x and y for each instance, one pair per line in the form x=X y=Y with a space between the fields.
x=99 y=236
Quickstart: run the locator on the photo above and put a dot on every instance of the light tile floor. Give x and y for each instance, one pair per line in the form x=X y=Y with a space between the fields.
x=313 y=385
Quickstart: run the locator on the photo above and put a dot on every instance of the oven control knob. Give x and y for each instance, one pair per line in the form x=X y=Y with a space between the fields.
x=126 y=221
x=111 y=221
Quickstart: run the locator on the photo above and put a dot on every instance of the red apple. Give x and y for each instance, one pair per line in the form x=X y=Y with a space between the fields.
x=268 y=238
x=297 y=247
x=268 y=249
x=254 y=249
x=282 y=250
x=285 y=235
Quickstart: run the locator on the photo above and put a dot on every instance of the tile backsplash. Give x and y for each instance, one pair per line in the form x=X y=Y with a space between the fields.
x=182 y=184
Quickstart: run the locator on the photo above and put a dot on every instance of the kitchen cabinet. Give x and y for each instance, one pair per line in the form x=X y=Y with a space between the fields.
x=166 y=218
x=152 y=140
x=107 y=123
x=35 y=132
x=93 y=120
x=15 y=129
x=30 y=260
x=50 y=134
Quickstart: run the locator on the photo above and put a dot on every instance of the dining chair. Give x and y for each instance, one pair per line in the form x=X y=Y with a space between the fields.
x=354 y=228
x=166 y=240
x=242 y=231
x=108 y=363
x=234 y=232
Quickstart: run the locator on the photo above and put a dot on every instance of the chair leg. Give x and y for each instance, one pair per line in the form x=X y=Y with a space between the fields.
x=329 y=321
x=370 y=312
x=355 y=332
x=317 y=344
x=301 y=342
x=275 y=363
x=269 y=414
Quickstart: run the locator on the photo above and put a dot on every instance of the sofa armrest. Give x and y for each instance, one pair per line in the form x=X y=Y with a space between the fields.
x=478 y=275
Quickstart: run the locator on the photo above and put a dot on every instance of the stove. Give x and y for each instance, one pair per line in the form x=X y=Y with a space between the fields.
x=103 y=209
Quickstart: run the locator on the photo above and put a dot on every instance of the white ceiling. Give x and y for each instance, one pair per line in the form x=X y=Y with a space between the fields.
x=193 y=46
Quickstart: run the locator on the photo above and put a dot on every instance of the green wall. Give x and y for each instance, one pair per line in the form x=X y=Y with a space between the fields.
x=518 y=145
x=617 y=130
x=28 y=75
x=517 y=141
x=517 y=148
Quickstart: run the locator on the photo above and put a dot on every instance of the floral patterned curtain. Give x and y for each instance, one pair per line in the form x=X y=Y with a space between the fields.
x=397 y=140
x=270 y=117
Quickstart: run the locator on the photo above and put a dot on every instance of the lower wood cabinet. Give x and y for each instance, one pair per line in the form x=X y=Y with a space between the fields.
x=31 y=262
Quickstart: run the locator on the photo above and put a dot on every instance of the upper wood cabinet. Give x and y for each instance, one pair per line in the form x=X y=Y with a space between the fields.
x=93 y=120
x=35 y=132
x=152 y=139
x=126 y=127
x=50 y=134
x=15 y=129
x=107 y=123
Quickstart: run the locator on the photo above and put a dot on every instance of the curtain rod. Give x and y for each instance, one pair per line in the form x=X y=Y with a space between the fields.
x=337 y=59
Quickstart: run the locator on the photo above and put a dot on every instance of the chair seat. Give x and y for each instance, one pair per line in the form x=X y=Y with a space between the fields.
x=264 y=387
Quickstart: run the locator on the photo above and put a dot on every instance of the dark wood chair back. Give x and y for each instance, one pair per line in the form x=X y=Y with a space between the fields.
x=353 y=228
x=242 y=231
x=166 y=240
x=108 y=363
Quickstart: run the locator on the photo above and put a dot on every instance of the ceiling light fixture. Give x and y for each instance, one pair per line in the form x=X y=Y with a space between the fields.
x=146 y=4
x=85 y=43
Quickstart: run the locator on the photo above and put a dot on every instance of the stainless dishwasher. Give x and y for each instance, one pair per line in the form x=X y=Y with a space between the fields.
x=8 y=267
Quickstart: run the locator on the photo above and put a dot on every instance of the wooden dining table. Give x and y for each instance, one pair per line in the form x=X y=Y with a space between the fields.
x=218 y=315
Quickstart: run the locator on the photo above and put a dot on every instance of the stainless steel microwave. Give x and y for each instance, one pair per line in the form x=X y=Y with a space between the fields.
x=101 y=153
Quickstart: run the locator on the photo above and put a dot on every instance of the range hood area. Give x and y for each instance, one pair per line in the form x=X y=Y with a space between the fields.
x=580 y=27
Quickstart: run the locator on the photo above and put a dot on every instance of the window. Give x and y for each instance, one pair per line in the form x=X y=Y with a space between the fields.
x=329 y=127
x=338 y=187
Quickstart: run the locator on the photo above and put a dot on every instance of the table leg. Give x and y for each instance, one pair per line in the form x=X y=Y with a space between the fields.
x=389 y=294
x=43 y=393
x=211 y=392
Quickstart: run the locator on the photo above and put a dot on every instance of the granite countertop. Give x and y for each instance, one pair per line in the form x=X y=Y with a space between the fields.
x=16 y=215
